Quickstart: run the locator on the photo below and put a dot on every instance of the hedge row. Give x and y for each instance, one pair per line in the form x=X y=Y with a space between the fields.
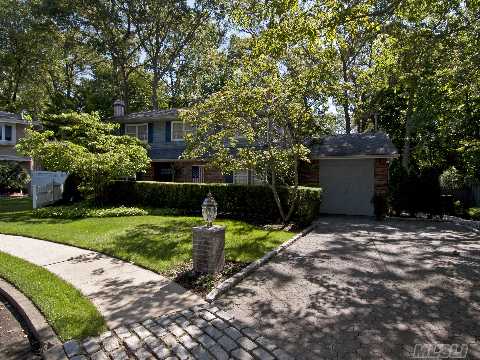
x=236 y=200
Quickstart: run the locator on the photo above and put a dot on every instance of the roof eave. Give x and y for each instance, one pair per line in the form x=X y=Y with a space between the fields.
x=348 y=157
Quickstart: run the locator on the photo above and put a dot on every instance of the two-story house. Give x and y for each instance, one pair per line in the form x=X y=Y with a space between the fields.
x=350 y=168
x=12 y=128
x=164 y=134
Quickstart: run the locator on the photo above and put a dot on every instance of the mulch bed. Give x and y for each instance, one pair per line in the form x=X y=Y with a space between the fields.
x=202 y=284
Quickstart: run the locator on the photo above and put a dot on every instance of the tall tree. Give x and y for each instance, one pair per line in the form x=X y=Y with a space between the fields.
x=274 y=104
x=110 y=30
x=165 y=29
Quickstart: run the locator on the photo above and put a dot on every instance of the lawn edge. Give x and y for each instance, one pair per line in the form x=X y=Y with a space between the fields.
x=235 y=279
x=36 y=323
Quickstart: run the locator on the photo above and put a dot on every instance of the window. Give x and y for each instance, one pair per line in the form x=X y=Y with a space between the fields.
x=247 y=177
x=240 y=177
x=7 y=133
x=177 y=130
x=137 y=130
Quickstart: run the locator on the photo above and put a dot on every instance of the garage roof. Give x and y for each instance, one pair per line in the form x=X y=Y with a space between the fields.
x=354 y=145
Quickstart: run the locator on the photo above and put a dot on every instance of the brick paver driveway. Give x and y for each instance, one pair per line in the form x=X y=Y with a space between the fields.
x=356 y=288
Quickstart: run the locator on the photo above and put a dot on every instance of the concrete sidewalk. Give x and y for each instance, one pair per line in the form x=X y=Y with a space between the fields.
x=122 y=292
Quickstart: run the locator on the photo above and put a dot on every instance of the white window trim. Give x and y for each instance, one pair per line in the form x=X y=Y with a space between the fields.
x=136 y=130
x=14 y=134
x=183 y=131
x=250 y=177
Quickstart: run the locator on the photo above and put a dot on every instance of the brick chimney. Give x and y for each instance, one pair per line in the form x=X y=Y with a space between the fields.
x=118 y=108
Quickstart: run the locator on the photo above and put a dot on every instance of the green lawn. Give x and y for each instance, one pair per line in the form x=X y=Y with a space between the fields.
x=159 y=243
x=71 y=315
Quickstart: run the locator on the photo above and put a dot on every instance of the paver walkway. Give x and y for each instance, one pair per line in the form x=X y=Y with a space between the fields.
x=359 y=289
x=122 y=292
x=203 y=332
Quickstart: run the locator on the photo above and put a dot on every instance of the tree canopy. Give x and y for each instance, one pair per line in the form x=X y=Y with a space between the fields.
x=409 y=68
x=88 y=148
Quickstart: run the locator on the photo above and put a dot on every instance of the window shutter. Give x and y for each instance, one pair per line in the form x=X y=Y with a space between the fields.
x=122 y=129
x=150 y=133
x=168 y=131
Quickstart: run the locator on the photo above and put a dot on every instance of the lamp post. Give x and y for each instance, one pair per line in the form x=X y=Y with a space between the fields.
x=209 y=240
x=209 y=209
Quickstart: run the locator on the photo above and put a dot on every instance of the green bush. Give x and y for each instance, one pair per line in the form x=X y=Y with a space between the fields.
x=474 y=213
x=251 y=201
x=76 y=212
x=451 y=179
x=13 y=177
x=414 y=191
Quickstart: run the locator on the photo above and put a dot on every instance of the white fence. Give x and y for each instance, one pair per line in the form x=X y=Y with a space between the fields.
x=47 y=187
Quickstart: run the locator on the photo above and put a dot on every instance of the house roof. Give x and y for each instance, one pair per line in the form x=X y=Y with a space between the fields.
x=354 y=145
x=11 y=117
x=169 y=114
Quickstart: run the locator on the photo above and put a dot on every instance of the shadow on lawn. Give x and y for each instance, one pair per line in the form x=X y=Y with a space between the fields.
x=170 y=243
x=361 y=289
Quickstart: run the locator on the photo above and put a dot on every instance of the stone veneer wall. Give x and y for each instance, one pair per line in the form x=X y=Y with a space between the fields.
x=381 y=176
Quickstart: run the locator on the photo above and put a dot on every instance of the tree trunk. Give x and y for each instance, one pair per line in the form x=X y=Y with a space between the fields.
x=348 y=121
x=273 y=186
x=408 y=132
x=294 y=200
x=155 y=81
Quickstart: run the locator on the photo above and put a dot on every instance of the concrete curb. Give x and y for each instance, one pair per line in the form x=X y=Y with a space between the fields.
x=34 y=320
x=471 y=224
x=235 y=279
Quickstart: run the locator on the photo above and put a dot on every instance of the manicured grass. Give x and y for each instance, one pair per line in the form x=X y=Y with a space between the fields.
x=11 y=204
x=71 y=315
x=160 y=243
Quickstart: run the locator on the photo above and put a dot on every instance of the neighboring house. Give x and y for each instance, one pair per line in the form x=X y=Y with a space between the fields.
x=12 y=128
x=349 y=168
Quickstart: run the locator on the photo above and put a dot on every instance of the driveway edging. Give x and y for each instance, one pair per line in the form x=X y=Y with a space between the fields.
x=469 y=224
x=33 y=318
x=235 y=279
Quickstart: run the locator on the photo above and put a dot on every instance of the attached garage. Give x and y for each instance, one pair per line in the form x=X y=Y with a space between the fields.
x=350 y=169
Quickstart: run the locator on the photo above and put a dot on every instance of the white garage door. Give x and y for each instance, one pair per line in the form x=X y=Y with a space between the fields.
x=348 y=186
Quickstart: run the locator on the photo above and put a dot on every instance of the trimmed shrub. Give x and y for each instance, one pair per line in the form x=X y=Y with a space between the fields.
x=13 y=177
x=251 y=201
x=77 y=212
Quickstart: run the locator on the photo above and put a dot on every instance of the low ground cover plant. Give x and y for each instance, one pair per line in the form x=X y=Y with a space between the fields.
x=474 y=213
x=82 y=211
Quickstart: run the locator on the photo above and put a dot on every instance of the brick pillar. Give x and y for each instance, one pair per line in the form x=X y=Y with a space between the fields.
x=381 y=176
x=208 y=249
